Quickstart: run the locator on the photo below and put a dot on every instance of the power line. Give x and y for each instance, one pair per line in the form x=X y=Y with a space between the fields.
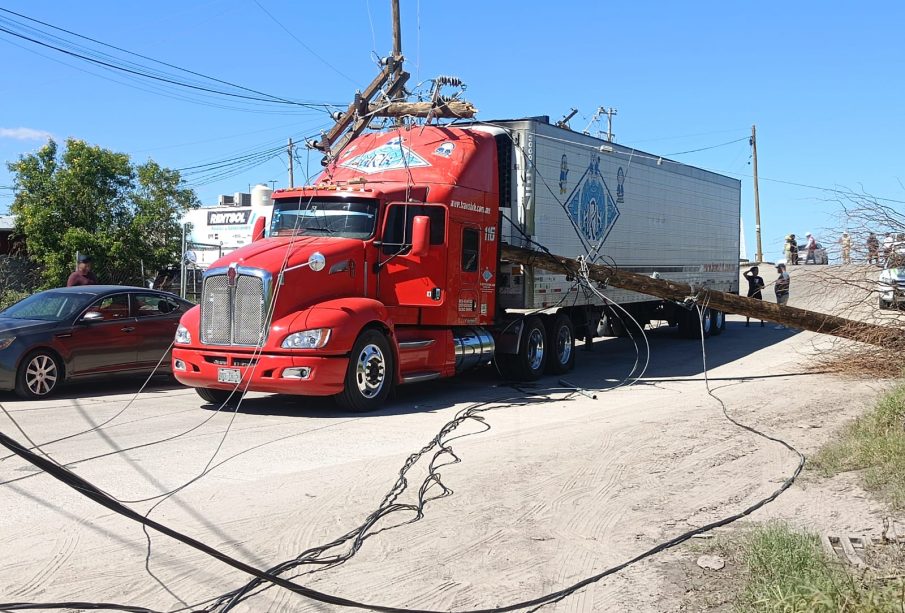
x=306 y=47
x=114 y=63
x=738 y=140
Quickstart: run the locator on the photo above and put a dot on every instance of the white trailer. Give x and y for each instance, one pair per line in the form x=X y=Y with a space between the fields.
x=582 y=196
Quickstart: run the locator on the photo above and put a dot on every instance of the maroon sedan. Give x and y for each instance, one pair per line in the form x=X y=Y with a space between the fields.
x=80 y=332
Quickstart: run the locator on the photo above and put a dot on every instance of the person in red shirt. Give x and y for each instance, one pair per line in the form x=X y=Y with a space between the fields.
x=82 y=274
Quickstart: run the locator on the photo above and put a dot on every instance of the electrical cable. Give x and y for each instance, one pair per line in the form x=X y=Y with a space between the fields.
x=261 y=96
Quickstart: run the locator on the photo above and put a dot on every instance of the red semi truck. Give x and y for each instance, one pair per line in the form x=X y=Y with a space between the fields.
x=387 y=270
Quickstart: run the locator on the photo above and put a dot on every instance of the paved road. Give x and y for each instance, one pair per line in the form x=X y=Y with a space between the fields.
x=551 y=486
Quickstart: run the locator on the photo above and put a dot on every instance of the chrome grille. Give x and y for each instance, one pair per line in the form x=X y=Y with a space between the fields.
x=248 y=310
x=215 y=311
x=232 y=315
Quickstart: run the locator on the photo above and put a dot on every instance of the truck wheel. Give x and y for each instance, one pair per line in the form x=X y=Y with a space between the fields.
x=369 y=377
x=690 y=324
x=883 y=304
x=719 y=322
x=561 y=341
x=39 y=374
x=528 y=364
x=215 y=396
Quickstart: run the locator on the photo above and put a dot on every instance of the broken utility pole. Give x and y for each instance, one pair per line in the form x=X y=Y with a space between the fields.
x=728 y=303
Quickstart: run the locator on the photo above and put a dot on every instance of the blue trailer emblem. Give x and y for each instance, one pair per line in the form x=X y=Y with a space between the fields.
x=392 y=155
x=591 y=206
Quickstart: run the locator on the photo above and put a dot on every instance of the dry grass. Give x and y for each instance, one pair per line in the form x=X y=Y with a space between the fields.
x=875 y=445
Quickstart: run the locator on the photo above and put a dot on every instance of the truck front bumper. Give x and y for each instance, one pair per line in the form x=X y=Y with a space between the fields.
x=276 y=374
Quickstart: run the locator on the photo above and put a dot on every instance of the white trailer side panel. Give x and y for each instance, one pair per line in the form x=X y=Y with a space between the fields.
x=579 y=195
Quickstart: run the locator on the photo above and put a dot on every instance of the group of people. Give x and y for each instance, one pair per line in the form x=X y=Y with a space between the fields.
x=791 y=249
x=781 y=287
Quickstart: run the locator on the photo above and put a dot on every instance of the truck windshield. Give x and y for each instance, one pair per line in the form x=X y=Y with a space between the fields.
x=341 y=217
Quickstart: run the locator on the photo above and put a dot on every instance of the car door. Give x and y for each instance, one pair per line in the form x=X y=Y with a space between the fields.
x=157 y=317
x=103 y=338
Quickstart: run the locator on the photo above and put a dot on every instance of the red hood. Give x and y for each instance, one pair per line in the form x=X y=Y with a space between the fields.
x=269 y=254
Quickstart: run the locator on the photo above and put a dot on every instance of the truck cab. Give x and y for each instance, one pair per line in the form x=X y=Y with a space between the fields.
x=380 y=273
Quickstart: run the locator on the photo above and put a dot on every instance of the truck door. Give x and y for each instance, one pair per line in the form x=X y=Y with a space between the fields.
x=405 y=280
x=466 y=272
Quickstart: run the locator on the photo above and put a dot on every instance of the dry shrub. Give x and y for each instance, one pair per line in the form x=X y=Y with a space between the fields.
x=872 y=355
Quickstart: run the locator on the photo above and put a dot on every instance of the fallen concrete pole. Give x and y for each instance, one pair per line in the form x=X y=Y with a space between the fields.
x=885 y=336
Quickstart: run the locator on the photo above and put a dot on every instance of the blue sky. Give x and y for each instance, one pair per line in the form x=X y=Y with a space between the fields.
x=823 y=81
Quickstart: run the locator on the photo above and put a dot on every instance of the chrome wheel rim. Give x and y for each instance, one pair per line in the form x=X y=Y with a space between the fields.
x=536 y=348
x=41 y=375
x=718 y=318
x=370 y=371
x=564 y=344
x=708 y=321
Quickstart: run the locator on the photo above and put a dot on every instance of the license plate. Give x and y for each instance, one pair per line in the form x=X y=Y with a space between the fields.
x=229 y=375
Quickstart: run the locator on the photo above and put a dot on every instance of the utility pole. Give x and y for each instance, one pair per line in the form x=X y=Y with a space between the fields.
x=760 y=253
x=397 y=39
x=291 y=175
x=609 y=124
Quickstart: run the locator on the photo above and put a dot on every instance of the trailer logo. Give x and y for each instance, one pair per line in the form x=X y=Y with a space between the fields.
x=445 y=150
x=227 y=218
x=591 y=206
x=392 y=155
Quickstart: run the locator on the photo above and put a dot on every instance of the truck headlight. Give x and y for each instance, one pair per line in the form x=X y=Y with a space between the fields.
x=6 y=342
x=307 y=339
x=183 y=336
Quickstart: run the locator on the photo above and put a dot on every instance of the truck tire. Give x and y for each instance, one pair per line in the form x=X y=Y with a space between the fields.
x=369 y=377
x=561 y=343
x=216 y=396
x=529 y=363
x=39 y=375
x=883 y=304
x=690 y=323
x=719 y=322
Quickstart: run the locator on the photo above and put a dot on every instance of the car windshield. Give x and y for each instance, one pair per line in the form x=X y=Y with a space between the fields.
x=342 y=217
x=48 y=306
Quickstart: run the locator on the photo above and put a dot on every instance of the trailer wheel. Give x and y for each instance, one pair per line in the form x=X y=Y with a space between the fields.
x=561 y=341
x=883 y=304
x=690 y=323
x=719 y=322
x=369 y=376
x=528 y=364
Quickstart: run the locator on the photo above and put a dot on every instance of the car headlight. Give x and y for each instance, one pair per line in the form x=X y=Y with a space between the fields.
x=6 y=342
x=307 y=339
x=183 y=336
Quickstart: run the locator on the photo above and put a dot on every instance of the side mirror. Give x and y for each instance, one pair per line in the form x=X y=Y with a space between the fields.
x=421 y=235
x=257 y=232
x=92 y=316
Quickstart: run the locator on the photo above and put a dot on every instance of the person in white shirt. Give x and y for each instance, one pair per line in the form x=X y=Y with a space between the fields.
x=781 y=288
x=811 y=247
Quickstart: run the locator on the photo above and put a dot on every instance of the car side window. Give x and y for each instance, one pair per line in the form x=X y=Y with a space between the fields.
x=152 y=305
x=111 y=307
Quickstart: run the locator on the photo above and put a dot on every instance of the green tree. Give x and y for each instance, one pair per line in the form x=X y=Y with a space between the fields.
x=92 y=200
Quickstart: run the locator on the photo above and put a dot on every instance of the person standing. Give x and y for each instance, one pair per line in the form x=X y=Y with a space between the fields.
x=781 y=287
x=82 y=274
x=888 y=241
x=793 y=249
x=755 y=285
x=873 y=249
x=787 y=249
x=846 y=243
x=811 y=247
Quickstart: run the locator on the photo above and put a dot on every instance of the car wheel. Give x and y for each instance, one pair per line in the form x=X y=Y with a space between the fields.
x=561 y=340
x=216 y=396
x=39 y=374
x=369 y=377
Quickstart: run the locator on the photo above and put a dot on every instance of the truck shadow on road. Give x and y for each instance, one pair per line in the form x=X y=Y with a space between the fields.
x=606 y=366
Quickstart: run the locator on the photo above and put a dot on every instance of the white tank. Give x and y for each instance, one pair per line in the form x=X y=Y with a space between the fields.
x=261 y=197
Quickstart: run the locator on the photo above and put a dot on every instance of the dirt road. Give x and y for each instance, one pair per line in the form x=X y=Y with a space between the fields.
x=546 y=493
